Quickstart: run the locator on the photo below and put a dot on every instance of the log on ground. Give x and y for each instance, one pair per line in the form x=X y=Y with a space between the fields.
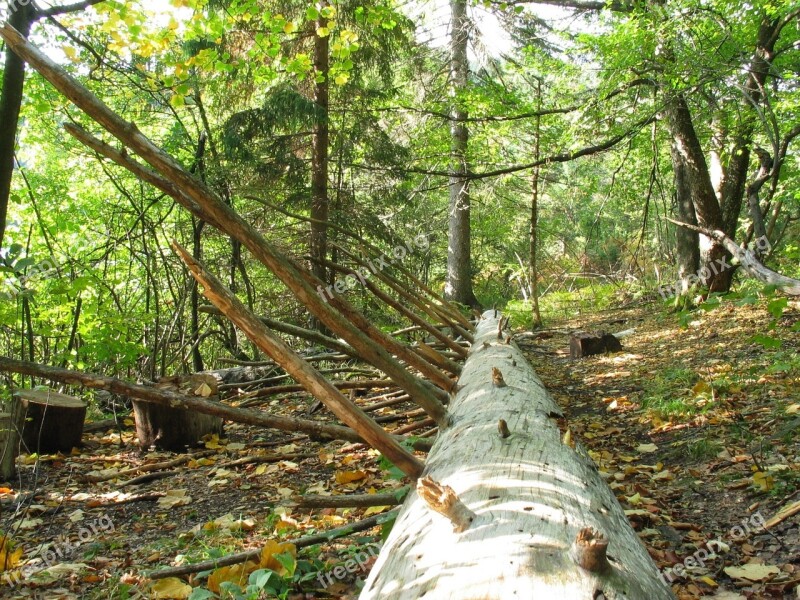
x=535 y=514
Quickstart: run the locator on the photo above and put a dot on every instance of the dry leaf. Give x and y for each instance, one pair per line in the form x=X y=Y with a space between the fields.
x=645 y=448
x=349 y=476
x=174 y=498
x=170 y=588
x=752 y=572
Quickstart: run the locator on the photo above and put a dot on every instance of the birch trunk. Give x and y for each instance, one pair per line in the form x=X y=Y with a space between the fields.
x=526 y=497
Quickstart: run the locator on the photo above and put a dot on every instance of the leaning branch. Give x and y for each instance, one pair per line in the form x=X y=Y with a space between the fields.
x=747 y=259
x=300 y=370
x=557 y=158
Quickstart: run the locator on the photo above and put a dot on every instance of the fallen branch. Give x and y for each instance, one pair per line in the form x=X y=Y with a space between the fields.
x=351 y=500
x=175 y=400
x=360 y=384
x=301 y=371
x=148 y=468
x=304 y=542
x=747 y=259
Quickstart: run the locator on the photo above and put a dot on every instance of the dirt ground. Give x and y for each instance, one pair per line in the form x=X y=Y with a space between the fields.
x=695 y=428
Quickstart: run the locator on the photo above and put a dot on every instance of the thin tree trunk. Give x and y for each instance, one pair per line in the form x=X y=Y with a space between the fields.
x=687 y=241
x=533 y=275
x=319 y=158
x=459 y=258
x=21 y=18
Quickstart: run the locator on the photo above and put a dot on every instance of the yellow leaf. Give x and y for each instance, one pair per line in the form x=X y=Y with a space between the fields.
x=701 y=387
x=635 y=500
x=323 y=32
x=374 y=510
x=204 y=390
x=349 y=476
x=268 y=552
x=170 y=588
x=764 y=481
x=237 y=574
x=289 y=28
x=793 y=409
x=71 y=53
x=9 y=558
x=709 y=582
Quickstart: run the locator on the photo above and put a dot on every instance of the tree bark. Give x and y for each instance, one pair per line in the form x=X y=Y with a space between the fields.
x=319 y=158
x=533 y=274
x=687 y=241
x=749 y=261
x=525 y=502
x=458 y=286
x=693 y=176
x=21 y=18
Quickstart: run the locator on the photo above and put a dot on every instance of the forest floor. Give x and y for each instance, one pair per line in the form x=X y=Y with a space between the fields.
x=696 y=428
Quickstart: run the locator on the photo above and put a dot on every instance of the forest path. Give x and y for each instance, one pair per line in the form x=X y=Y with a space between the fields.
x=681 y=424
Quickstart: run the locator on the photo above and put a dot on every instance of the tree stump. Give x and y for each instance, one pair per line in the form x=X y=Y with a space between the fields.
x=53 y=421
x=174 y=429
x=587 y=344
x=11 y=424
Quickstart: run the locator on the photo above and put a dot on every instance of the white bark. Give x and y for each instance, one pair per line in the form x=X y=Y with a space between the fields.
x=531 y=496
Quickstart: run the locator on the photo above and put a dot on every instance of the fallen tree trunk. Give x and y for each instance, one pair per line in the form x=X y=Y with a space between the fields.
x=532 y=516
x=168 y=398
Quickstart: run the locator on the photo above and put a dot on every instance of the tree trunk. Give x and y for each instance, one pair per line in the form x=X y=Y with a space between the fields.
x=692 y=173
x=319 y=158
x=21 y=18
x=522 y=503
x=687 y=241
x=459 y=258
x=533 y=274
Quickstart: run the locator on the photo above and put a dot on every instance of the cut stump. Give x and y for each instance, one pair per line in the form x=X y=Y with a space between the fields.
x=174 y=429
x=11 y=424
x=588 y=344
x=53 y=422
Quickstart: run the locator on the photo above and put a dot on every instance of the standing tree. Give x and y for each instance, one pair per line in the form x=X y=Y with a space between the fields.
x=22 y=16
x=459 y=258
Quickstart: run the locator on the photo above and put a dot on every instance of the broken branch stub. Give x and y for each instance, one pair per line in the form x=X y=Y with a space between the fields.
x=444 y=501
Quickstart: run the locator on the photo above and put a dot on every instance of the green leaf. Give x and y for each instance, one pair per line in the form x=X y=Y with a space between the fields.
x=776 y=307
x=766 y=341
